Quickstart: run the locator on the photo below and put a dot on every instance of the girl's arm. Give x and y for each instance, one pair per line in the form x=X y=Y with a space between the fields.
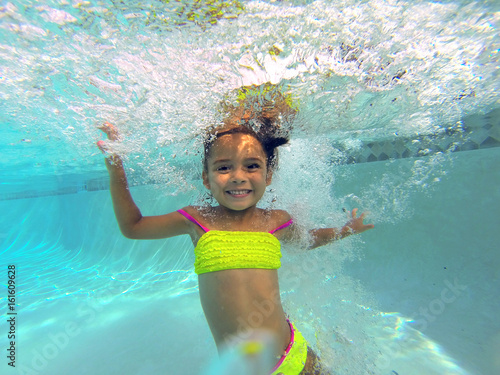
x=325 y=236
x=130 y=220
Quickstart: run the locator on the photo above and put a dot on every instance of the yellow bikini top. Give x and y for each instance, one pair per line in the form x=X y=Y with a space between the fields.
x=224 y=250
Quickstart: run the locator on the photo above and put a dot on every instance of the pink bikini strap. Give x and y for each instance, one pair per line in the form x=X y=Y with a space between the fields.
x=288 y=223
x=192 y=219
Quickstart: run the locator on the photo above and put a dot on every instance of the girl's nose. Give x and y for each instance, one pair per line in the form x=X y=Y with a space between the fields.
x=238 y=176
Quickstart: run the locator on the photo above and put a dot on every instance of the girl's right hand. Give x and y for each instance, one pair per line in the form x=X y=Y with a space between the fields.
x=110 y=131
x=113 y=135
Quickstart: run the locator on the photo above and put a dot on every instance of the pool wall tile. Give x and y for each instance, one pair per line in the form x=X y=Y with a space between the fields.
x=473 y=133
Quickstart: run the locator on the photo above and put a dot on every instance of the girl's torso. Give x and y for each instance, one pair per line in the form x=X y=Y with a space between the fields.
x=241 y=303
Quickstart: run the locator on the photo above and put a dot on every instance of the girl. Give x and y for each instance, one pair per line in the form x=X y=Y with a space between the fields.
x=237 y=244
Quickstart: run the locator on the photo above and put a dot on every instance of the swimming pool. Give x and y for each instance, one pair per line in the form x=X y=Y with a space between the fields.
x=398 y=116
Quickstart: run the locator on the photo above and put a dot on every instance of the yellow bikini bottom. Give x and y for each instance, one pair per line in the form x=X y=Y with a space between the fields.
x=294 y=359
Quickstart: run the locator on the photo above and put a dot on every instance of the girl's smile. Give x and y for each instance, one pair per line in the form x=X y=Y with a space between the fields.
x=236 y=173
x=239 y=193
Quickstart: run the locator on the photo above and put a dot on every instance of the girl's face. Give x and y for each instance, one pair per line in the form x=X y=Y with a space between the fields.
x=236 y=172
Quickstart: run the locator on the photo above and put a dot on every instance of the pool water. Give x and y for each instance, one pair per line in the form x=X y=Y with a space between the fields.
x=398 y=116
x=92 y=302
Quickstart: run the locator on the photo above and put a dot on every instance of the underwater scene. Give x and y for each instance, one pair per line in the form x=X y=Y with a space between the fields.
x=398 y=115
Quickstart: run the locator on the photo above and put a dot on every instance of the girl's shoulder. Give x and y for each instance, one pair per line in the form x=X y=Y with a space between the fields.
x=279 y=224
x=192 y=209
x=200 y=213
x=275 y=218
x=198 y=219
x=279 y=216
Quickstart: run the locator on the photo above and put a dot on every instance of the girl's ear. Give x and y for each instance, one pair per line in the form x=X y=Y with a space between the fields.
x=206 y=183
x=269 y=177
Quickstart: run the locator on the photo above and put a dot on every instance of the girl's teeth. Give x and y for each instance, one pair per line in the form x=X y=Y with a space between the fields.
x=238 y=192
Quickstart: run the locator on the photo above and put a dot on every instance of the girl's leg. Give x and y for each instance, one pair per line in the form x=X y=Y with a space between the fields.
x=313 y=365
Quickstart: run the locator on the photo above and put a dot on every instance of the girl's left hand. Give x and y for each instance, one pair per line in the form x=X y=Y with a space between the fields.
x=356 y=225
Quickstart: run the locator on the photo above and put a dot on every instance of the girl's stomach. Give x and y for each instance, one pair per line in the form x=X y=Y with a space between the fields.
x=243 y=304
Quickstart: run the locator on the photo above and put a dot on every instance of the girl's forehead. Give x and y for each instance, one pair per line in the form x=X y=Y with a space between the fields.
x=237 y=142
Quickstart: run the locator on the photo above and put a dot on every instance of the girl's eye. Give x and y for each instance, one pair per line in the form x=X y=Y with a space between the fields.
x=254 y=166
x=223 y=168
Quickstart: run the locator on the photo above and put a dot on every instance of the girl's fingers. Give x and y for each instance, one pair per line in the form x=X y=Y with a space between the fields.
x=106 y=127
x=102 y=146
x=113 y=135
x=106 y=150
x=110 y=130
x=353 y=214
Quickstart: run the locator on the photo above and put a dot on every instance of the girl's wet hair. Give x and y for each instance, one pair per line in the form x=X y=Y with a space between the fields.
x=268 y=139
x=263 y=112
